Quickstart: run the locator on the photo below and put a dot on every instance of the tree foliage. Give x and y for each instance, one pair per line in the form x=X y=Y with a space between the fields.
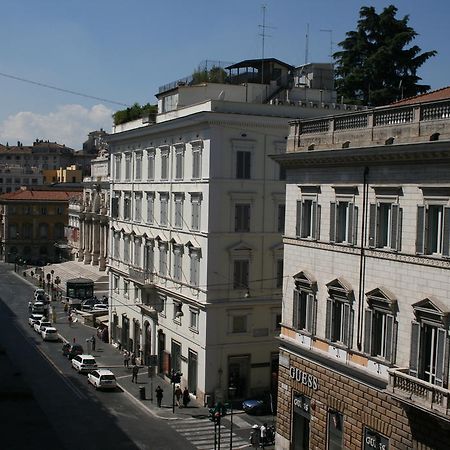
x=214 y=75
x=377 y=65
x=135 y=112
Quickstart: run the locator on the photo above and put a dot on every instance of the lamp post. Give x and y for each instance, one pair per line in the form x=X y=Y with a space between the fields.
x=231 y=392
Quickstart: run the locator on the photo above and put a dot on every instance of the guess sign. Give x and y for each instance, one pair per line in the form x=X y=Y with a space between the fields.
x=303 y=377
x=374 y=440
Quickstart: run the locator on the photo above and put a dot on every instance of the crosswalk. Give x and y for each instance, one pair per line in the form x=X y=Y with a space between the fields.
x=200 y=433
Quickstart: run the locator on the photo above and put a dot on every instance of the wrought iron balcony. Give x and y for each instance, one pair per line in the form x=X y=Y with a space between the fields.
x=141 y=276
x=419 y=393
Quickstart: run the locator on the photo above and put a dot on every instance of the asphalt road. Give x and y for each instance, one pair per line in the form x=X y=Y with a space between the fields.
x=61 y=411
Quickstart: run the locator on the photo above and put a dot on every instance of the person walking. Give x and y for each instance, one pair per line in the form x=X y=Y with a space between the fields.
x=93 y=343
x=159 y=395
x=178 y=394
x=254 y=436
x=133 y=358
x=70 y=320
x=126 y=359
x=186 y=397
x=134 y=373
x=263 y=434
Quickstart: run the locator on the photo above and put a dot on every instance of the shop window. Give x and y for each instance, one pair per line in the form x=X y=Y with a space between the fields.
x=339 y=313
x=335 y=430
x=380 y=326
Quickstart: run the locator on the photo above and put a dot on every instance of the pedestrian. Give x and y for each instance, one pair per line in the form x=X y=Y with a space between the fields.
x=70 y=320
x=178 y=394
x=263 y=434
x=126 y=358
x=66 y=308
x=254 y=436
x=186 y=397
x=93 y=343
x=133 y=358
x=134 y=373
x=159 y=395
x=53 y=314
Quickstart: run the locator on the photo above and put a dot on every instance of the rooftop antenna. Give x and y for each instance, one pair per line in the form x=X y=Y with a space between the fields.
x=307 y=44
x=263 y=35
x=331 y=43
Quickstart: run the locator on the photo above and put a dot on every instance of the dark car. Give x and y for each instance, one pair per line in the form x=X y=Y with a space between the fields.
x=258 y=406
x=88 y=304
x=71 y=350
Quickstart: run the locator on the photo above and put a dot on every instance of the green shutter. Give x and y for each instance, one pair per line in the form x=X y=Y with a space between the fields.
x=333 y=222
x=328 y=319
x=446 y=233
x=372 y=224
x=298 y=225
x=441 y=356
x=389 y=349
x=368 y=331
x=395 y=212
x=420 y=237
x=414 y=352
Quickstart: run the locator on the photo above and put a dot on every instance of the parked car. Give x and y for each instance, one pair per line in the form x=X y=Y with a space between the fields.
x=38 y=292
x=43 y=323
x=50 y=334
x=100 y=307
x=102 y=379
x=34 y=318
x=71 y=350
x=38 y=307
x=258 y=406
x=84 y=363
x=88 y=304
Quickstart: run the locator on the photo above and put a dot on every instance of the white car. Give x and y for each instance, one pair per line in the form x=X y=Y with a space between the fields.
x=38 y=308
x=50 y=334
x=34 y=318
x=42 y=322
x=102 y=379
x=84 y=363
x=100 y=307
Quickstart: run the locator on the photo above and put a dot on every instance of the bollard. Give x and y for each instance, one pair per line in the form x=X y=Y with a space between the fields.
x=142 y=393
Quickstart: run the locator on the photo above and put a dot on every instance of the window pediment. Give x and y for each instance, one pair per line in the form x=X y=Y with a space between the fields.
x=339 y=288
x=304 y=280
x=381 y=298
x=432 y=309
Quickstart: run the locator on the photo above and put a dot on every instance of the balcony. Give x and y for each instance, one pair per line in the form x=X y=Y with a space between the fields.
x=419 y=393
x=140 y=276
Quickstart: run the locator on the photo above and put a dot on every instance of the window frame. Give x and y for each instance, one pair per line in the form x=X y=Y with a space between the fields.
x=392 y=230
x=242 y=217
x=241 y=275
x=308 y=218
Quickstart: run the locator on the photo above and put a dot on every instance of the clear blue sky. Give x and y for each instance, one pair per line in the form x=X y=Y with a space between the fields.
x=124 y=50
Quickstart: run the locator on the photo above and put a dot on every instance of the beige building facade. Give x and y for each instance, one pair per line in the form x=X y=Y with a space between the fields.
x=364 y=336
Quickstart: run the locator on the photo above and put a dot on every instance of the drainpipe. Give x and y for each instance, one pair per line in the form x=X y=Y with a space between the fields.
x=362 y=258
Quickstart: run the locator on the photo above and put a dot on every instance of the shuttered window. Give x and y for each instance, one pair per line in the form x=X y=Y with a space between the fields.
x=433 y=230
x=343 y=222
x=304 y=311
x=385 y=224
x=308 y=219
x=339 y=321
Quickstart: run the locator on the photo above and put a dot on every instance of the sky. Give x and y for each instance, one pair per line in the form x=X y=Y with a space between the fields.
x=121 y=51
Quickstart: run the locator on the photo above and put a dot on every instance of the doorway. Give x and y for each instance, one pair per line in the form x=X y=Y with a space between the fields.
x=239 y=375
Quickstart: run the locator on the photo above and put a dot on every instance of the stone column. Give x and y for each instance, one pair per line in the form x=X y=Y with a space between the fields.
x=102 y=260
x=88 y=241
x=95 y=241
x=81 y=241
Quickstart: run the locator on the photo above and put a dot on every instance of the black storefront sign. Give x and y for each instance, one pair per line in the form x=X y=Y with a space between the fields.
x=302 y=405
x=374 y=440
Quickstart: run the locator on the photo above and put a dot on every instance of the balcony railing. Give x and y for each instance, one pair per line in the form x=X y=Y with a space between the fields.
x=140 y=275
x=419 y=392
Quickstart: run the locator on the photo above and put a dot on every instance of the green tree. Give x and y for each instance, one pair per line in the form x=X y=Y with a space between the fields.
x=377 y=65
x=136 y=111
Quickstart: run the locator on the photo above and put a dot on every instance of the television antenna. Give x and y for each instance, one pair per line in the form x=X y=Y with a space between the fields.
x=263 y=34
x=331 y=42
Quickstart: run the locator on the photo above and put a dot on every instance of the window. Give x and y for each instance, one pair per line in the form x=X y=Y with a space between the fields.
x=279 y=277
x=137 y=207
x=177 y=262
x=126 y=286
x=58 y=231
x=27 y=230
x=335 y=430
x=239 y=323
x=193 y=319
x=307 y=219
x=137 y=252
x=128 y=167
x=433 y=230
x=179 y=162
x=60 y=210
x=281 y=218
x=240 y=274
x=43 y=231
x=178 y=222
x=242 y=217
x=380 y=327
x=164 y=164
x=339 y=314
x=127 y=207
x=385 y=225
x=116 y=283
x=116 y=249
x=343 y=216
x=117 y=165
x=164 y=215
x=126 y=249
x=163 y=259
x=429 y=343
x=195 y=209
x=138 y=167
x=149 y=257
x=305 y=308
x=243 y=161
x=115 y=205
x=177 y=311
x=151 y=164
x=44 y=210
x=150 y=207
x=196 y=161
x=195 y=267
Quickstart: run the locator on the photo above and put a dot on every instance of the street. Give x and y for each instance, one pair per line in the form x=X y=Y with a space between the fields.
x=65 y=412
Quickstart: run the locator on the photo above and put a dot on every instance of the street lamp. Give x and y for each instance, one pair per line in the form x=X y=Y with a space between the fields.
x=231 y=393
